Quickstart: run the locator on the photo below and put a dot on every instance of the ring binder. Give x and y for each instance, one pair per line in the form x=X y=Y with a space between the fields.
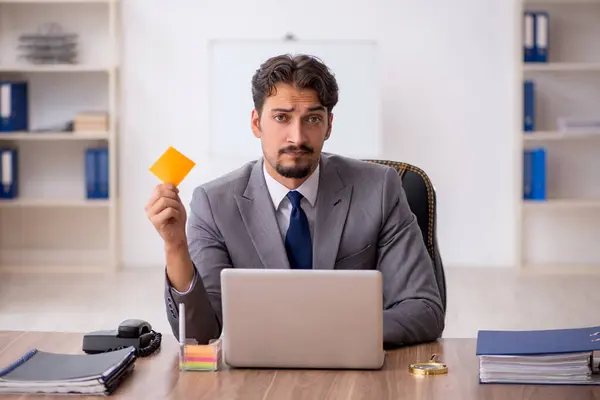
x=26 y=357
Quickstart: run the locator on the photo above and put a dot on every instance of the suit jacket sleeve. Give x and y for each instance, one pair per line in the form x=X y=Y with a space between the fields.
x=209 y=255
x=413 y=311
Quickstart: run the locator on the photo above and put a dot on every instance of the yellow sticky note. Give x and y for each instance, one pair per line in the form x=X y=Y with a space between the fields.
x=172 y=167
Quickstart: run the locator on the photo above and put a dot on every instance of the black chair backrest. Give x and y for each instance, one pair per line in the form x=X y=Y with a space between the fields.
x=421 y=197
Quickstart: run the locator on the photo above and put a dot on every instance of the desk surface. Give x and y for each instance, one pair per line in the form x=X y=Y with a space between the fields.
x=158 y=377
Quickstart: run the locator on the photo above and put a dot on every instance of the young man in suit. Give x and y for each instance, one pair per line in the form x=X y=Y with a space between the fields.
x=296 y=207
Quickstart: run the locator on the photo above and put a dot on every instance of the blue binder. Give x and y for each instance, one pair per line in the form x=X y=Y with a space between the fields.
x=9 y=167
x=96 y=173
x=103 y=178
x=528 y=37
x=534 y=174
x=538 y=342
x=14 y=106
x=542 y=22
x=529 y=106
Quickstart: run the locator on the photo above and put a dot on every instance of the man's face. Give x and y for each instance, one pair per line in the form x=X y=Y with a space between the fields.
x=292 y=128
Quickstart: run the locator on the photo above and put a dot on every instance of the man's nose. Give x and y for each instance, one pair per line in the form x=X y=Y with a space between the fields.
x=296 y=134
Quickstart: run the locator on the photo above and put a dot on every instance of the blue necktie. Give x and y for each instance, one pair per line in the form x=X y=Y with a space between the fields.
x=297 y=241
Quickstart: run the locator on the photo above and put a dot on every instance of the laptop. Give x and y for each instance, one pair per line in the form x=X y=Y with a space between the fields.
x=303 y=319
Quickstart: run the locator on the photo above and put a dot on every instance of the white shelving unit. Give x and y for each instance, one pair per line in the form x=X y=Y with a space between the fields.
x=52 y=226
x=560 y=234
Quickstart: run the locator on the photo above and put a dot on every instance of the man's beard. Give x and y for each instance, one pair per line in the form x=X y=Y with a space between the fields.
x=296 y=171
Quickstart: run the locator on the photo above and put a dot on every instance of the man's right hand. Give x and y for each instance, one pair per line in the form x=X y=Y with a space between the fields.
x=167 y=213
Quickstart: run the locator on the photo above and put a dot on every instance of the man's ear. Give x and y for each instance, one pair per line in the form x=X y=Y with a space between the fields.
x=329 y=127
x=255 y=123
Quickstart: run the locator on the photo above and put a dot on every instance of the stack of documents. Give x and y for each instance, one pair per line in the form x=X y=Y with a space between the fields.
x=90 y=122
x=42 y=372
x=561 y=356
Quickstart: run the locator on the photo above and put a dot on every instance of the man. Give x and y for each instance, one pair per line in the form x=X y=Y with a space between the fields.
x=296 y=207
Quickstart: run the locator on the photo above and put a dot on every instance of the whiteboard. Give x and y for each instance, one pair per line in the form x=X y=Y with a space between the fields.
x=356 y=130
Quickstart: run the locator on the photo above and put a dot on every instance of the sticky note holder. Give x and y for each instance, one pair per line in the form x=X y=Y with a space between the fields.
x=197 y=357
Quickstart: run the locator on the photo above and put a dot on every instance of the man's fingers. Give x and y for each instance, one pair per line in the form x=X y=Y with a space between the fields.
x=161 y=192
x=163 y=203
x=163 y=216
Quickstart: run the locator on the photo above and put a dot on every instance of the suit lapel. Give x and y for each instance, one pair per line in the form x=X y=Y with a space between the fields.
x=258 y=214
x=333 y=202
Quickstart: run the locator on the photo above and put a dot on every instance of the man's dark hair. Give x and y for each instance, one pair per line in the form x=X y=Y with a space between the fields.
x=302 y=71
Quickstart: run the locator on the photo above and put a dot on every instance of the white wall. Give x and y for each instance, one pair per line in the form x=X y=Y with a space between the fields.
x=450 y=95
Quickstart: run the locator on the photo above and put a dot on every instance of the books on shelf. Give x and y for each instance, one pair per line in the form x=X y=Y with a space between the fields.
x=52 y=373
x=558 y=356
x=535 y=36
x=534 y=174
x=97 y=173
x=9 y=163
x=14 y=106
x=90 y=122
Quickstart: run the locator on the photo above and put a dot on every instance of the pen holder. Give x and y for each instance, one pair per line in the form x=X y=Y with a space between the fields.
x=197 y=357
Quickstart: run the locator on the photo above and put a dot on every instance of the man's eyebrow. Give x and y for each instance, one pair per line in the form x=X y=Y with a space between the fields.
x=310 y=109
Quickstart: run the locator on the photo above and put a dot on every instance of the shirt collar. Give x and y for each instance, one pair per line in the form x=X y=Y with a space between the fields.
x=278 y=192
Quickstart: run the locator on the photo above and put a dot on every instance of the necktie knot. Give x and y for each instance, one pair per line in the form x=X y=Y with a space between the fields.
x=295 y=198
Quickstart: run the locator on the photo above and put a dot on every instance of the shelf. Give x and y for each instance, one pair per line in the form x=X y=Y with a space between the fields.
x=54 y=269
x=41 y=136
x=557 y=135
x=560 y=269
x=562 y=203
x=55 y=68
x=54 y=203
x=57 y=1
x=561 y=67
x=560 y=2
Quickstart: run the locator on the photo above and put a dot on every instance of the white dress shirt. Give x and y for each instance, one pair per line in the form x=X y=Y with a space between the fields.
x=283 y=205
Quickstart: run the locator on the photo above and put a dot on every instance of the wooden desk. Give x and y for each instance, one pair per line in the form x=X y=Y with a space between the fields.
x=158 y=377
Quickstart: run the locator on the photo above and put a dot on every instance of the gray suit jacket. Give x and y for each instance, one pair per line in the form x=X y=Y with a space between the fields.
x=362 y=220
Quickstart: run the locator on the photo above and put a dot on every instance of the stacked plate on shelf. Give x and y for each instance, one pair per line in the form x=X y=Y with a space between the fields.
x=50 y=45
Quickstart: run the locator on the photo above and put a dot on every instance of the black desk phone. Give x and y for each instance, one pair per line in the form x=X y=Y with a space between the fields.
x=131 y=332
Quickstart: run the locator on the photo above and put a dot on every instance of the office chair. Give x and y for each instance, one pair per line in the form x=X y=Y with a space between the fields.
x=422 y=201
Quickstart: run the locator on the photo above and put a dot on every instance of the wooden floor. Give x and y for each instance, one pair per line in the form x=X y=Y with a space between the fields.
x=477 y=299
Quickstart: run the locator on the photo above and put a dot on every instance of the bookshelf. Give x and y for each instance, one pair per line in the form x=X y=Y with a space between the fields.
x=559 y=233
x=52 y=225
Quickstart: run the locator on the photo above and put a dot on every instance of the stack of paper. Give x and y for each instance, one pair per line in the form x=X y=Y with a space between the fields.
x=42 y=372
x=559 y=356
x=542 y=369
x=91 y=122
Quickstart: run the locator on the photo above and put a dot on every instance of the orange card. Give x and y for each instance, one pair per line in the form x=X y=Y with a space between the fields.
x=172 y=167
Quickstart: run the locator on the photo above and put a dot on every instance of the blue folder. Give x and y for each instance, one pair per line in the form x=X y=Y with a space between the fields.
x=538 y=342
x=97 y=180
x=534 y=174
x=14 y=106
x=529 y=106
x=9 y=173
x=542 y=22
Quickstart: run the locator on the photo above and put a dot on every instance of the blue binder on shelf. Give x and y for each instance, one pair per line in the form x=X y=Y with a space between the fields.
x=552 y=356
x=14 y=106
x=9 y=167
x=534 y=174
x=542 y=22
x=97 y=173
x=528 y=37
x=529 y=106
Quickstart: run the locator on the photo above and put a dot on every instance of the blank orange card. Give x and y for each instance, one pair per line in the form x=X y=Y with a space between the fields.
x=172 y=167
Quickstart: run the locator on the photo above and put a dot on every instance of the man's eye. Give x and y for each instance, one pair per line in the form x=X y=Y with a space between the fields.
x=280 y=118
x=314 y=119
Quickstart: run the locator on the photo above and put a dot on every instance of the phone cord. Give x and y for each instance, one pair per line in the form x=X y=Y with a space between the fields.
x=152 y=346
